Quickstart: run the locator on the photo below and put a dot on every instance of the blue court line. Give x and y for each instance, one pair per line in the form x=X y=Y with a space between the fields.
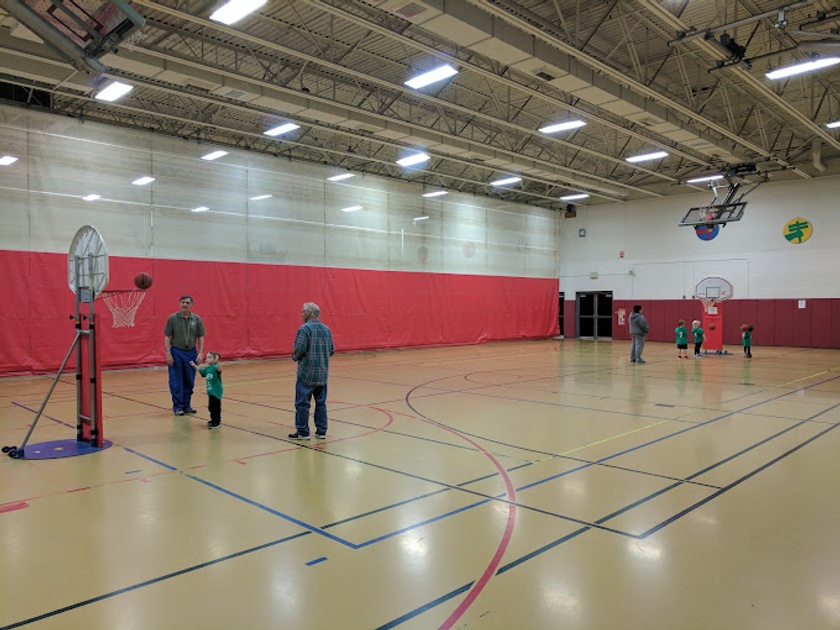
x=151 y=459
x=424 y=608
x=43 y=415
x=151 y=581
x=312 y=563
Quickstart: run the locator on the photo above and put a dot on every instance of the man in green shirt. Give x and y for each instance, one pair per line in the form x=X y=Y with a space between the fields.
x=183 y=331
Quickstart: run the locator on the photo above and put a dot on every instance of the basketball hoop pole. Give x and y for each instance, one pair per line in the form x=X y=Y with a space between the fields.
x=88 y=371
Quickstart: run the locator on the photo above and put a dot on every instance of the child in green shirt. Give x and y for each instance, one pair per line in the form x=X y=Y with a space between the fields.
x=212 y=372
x=699 y=337
x=682 y=339
x=746 y=339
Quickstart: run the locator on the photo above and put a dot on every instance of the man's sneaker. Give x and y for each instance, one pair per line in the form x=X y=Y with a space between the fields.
x=213 y=425
x=640 y=361
x=321 y=436
x=190 y=411
x=179 y=412
x=298 y=436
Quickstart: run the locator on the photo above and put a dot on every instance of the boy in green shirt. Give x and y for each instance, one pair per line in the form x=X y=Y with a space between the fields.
x=212 y=372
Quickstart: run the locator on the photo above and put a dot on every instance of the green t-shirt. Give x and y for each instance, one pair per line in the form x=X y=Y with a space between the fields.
x=698 y=334
x=214 y=380
x=746 y=338
x=682 y=335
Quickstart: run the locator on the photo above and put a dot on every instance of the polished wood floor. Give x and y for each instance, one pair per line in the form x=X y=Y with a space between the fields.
x=521 y=485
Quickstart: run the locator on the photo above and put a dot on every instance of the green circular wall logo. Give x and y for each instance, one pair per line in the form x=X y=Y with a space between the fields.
x=798 y=230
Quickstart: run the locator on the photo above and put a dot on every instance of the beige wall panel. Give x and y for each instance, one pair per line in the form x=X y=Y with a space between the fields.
x=286 y=242
x=14 y=220
x=347 y=246
x=189 y=235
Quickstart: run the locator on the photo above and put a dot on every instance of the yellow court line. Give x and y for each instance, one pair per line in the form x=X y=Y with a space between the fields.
x=615 y=437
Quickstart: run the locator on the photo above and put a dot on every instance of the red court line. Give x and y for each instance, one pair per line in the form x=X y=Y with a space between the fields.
x=11 y=507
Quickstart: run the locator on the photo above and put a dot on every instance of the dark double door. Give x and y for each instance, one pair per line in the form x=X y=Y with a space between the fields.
x=593 y=314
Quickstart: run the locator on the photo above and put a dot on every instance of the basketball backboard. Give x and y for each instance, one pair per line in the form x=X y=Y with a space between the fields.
x=714 y=214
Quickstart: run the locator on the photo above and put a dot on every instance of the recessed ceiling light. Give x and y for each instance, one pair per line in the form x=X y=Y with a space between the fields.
x=705 y=178
x=563 y=126
x=432 y=76
x=6 y=160
x=200 y=209
x=215 y=155
x=351 y=209
x=413 y=160
x=799 y=68
x=574 y=197
x=113 y=91
x=341 y=177
x=235 y=10
x=647 y=156
x=833 y=125
x=142 y=181
x=281 y=129
x=423 y=218
x=91 y=197
x=506 y=181
x=437 y=193
x=259 y=197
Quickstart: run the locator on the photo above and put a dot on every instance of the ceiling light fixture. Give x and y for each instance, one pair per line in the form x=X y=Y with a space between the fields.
x=423 y=218
x=831 y=125
x=647 y=156
x=808 y=66
x=574 y=197
x=414 y=160
x=259 y=197
x=351 y=209
x=142 y=181
x=432 y=76
x=564 y=126
x=506 y=181
x=704 y=178
x=200 y=209
x=235 y=10
x=437 y=193
x=341 y=177
x=281 y=129
x=6 y=160
x=215 y=155
x=91 y=197
x=113 y=91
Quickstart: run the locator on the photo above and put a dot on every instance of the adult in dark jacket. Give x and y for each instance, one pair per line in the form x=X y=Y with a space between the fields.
x=638 y=330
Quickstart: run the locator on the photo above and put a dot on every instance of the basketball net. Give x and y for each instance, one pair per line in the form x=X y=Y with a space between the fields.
x=123 y=305
x=708 y=212
x=709 y=305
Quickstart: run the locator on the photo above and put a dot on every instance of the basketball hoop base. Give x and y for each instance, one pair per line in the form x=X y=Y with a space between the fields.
x=56 y=449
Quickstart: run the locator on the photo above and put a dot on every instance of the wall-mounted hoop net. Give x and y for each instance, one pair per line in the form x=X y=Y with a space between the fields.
x=123 y=304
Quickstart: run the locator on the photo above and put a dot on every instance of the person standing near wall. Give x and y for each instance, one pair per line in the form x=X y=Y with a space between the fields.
x=183 y=331
x=638 y=330
x=312 y=351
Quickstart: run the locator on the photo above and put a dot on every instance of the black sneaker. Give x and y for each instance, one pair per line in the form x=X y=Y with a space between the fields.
x=213 y=425
x=190 y=411
x=298 y=436
x=321 y=436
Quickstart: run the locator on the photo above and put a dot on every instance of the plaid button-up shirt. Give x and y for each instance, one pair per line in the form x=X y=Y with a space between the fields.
x=313 y=349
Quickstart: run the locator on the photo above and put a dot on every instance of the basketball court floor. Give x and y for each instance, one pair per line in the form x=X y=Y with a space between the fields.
x=528 y=485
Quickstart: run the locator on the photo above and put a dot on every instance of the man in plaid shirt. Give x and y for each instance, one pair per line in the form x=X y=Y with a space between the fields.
x=312 y=351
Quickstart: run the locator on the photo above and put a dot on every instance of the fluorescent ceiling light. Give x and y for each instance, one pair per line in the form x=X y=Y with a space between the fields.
x=647 y=156
x=351 y=209
x=200 y=209
x=564 y=126
x=831 y=125
x=6 y=160
x=506 y=181
x=91 y=197
x=281 y=129
x=235 y=10
x=799 y=68
x=113 y=91
x=437 y=193
x=705 y=178
x=260 y=197
x=341 y=177
x=423 y=218
x=214 y=156
x=432 y=76
x=142 y=181
x=574 y=197
x=413 y=160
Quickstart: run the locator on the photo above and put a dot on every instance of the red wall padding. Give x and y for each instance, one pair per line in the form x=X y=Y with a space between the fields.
x=778 y=322
x=253 y=310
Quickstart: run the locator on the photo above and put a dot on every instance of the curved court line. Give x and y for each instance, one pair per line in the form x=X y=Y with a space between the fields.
x=478 y=586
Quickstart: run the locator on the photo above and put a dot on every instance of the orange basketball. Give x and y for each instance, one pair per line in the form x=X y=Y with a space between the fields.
x=712 y=326
x=143 y=280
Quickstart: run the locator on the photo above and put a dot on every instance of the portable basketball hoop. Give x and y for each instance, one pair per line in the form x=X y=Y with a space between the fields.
x=87 y=276
x=712 y=291
x=123 y=304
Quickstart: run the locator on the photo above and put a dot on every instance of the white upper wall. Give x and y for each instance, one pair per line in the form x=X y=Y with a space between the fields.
x=664 y=261
x=62 y=159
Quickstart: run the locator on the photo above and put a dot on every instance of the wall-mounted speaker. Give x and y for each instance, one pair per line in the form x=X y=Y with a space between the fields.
x=571 y=212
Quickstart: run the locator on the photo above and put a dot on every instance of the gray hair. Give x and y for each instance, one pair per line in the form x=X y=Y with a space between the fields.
x=312 y=308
